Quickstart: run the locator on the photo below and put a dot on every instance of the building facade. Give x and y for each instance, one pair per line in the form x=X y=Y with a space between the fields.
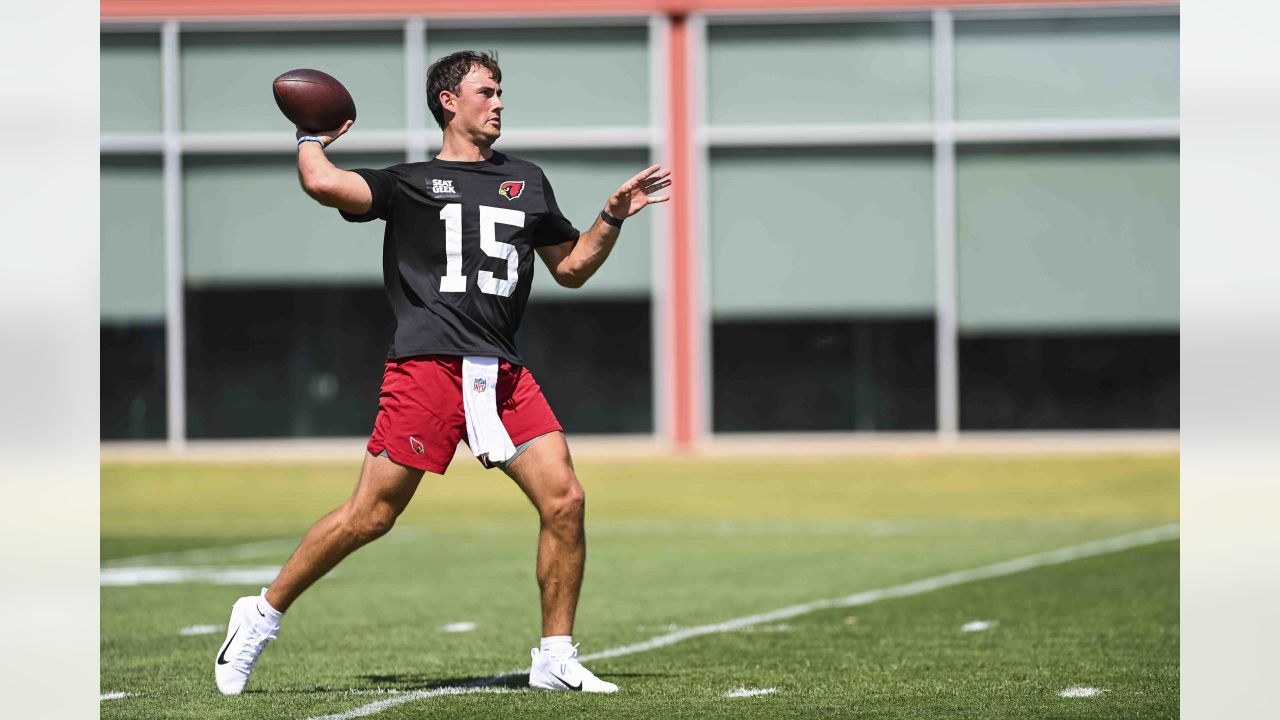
x=888 y=216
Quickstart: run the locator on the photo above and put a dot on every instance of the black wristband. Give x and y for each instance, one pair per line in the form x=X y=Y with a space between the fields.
x=610 y=220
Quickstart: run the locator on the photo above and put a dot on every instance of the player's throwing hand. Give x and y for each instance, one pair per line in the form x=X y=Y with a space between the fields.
x=328 y=136
x=638 y=192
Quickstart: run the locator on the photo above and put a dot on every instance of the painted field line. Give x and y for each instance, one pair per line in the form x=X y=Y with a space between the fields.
x=195 y=556
x=918 y=587
x=750 y=692
x=128 y=576
x=115 y=696
x=243 y=551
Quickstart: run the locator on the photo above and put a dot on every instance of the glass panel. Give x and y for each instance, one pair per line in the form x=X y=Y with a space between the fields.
x=248 y=221
x=824 y=231
x=819 y=73
x=1097 y=380
x=1068 y=237
x=594 y=361
x=582 y=181
x=802 y=374
x=132 y=342
x=131 y=83
x=226 y=76
x=1067 y=68
x=132 y=239
x=285 y=361
x=561 y=77
x=131 y=363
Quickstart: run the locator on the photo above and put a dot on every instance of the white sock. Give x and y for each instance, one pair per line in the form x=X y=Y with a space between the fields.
x=271 y=614
x=557 y=645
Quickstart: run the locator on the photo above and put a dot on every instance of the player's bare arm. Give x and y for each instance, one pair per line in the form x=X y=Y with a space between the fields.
x=327 y=183
x=573 y=262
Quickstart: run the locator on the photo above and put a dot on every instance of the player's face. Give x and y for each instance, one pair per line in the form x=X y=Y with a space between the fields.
x=478 y=106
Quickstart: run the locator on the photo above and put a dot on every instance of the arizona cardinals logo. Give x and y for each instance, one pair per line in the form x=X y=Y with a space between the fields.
x=511 y=189
x=416 y=445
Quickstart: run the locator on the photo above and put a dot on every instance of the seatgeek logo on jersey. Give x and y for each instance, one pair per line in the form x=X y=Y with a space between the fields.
x=511 y=189
x=442 y=187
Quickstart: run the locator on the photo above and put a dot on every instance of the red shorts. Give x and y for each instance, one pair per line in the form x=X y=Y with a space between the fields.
x=420 y=417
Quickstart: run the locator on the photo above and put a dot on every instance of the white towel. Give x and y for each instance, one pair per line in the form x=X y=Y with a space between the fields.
x=485 y=433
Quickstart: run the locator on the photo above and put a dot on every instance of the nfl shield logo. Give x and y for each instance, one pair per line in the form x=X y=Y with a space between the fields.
x=479 y=384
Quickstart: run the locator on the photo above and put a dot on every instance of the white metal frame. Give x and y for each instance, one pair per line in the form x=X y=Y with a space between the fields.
x=174 y=254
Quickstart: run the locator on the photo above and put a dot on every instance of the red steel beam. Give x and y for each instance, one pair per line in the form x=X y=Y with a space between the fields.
x=229 y=9
x=682 y=326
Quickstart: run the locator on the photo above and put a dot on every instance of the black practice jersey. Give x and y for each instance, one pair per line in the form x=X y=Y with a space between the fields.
x=458 y=251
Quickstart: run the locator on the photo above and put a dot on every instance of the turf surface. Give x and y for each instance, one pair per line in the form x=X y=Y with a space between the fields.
x=672 y=544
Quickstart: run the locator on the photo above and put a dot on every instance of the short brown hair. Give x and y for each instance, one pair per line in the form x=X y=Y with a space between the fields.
x=447 y=73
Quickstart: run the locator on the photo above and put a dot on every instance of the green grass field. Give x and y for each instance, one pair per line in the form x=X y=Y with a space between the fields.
x=672 y=544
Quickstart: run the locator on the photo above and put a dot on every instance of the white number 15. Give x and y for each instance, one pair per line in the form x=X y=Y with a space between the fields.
x=453 y=281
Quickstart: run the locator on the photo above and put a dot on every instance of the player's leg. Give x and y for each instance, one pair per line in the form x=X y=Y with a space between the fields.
x=382 y=493
x=544 y=471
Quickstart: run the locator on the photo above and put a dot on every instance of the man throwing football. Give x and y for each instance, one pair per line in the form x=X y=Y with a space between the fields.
x=461 y=232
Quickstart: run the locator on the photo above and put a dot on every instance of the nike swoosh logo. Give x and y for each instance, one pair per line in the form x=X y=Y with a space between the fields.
x=566 y=682
x=222 y=656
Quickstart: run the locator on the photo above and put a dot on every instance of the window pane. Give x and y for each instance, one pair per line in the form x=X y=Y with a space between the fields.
x=819 y=73
x=272 y=361
x=131 y=82
x=1067 y=68
x=226 y=76
x=806 y=374
x=1069 y=381
x=132 y=239
x=561 y=77
x=582 y=180
x=131 y=364
x=830 y=231
x=593 y=360
x=132 y=357
x=1068 y=237
x=248 y=221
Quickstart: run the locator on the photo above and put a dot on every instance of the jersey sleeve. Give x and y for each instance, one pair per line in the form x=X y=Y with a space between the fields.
x=554 y=228
x=382 y=183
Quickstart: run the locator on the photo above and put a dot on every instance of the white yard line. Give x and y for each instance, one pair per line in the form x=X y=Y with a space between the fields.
x=750 y=692
x=127 y=576
x=918 y=587
x=115 y=696
x=206 y=555
x=243 y=551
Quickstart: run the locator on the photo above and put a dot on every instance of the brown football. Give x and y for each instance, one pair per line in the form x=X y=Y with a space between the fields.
x=313 y=100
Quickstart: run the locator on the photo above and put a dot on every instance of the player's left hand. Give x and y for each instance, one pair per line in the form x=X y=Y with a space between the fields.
x=638 y=192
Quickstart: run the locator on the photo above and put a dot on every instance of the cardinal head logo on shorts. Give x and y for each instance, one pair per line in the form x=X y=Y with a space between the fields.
x=416 y=445
x=511 y=189
x=479 y=384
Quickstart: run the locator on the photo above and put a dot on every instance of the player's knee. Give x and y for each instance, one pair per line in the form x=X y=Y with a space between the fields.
x=568 y=507
x=371 y=522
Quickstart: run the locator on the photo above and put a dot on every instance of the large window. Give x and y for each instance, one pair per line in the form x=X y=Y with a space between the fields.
x=822 y=257
x=285 y=322
x=821 y=288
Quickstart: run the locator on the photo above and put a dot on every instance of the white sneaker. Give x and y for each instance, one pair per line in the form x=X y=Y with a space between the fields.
x=248 y=633
x=565 y=673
